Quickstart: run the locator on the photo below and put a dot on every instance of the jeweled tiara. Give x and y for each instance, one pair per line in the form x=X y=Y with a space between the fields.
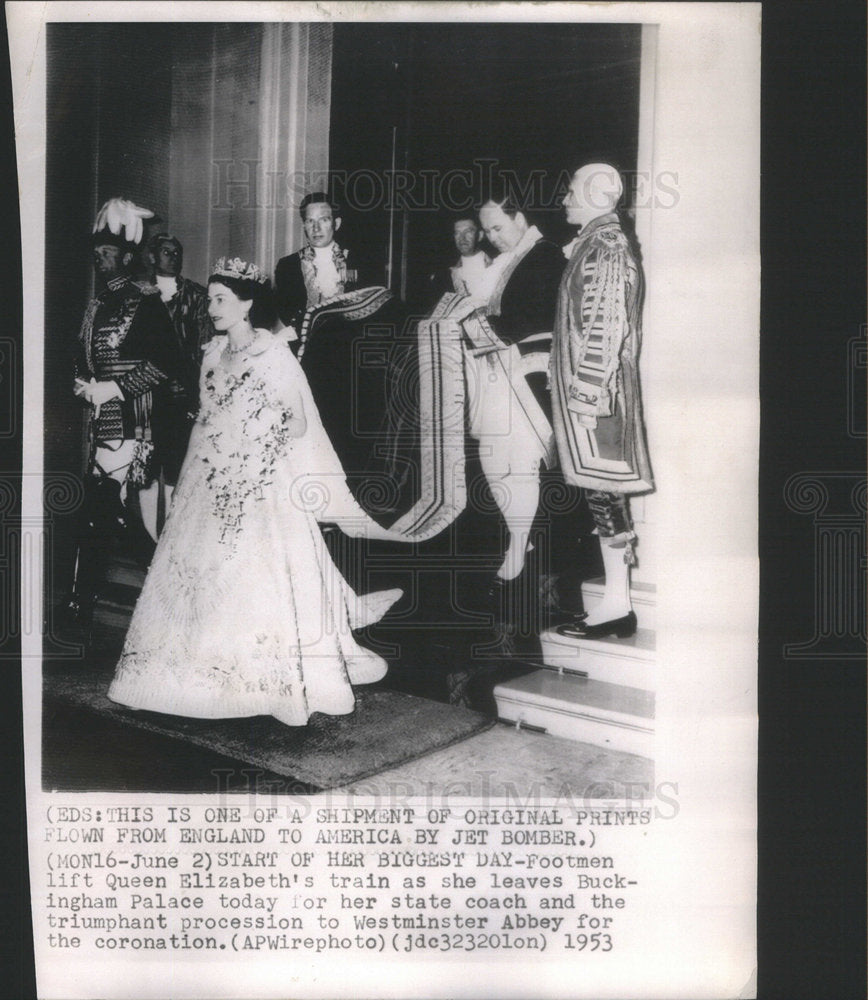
x=235 y=267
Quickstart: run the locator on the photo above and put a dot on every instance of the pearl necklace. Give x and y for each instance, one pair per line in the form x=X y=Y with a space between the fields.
x=233 y=351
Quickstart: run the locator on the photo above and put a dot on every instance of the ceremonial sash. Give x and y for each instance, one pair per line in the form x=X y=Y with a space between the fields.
x=441 y=419
x=352 y=306
x=442 y=391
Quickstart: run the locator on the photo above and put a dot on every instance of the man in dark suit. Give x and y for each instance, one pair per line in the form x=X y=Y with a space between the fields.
x=319 y=271
x=186 y=302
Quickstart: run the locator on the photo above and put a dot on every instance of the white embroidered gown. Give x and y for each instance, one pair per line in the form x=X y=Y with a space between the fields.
x=243 y=611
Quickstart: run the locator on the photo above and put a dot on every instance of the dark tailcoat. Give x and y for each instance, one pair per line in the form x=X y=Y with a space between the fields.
x=527 y=304
x=291 y=292
x=529 y=298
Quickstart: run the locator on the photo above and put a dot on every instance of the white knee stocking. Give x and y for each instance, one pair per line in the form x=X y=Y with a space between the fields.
x=517 y=496
x=616 y=594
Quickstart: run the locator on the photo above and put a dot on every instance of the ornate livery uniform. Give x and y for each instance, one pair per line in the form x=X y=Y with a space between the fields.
x=596 y=400
x=127 y=337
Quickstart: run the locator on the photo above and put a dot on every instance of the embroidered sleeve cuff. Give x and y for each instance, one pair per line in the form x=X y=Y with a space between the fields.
x=589 y=398
x=142 y=378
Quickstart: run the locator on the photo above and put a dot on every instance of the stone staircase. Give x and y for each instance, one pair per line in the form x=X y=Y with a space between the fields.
x=124 y=580
x=597 y=691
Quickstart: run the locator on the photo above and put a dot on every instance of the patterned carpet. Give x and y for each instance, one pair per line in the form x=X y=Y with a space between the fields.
x=386 y=729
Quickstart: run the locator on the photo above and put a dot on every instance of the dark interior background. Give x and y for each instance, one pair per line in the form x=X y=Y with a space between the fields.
x=520 y=99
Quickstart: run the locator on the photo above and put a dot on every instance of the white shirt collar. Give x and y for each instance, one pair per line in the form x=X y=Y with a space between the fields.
x=533 y=235
x=474 y=260
x=168 y=285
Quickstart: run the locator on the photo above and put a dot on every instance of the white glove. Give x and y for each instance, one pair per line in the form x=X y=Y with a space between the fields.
x=120 y=212
x=99 y=393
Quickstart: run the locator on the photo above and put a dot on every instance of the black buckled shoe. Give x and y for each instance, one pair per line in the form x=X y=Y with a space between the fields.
x=621 y=628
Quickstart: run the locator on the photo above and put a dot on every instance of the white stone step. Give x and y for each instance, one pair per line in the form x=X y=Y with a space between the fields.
x=627 y=662
x=642 y=595
x=587 y=711
x=112 y=615
x=128 y=573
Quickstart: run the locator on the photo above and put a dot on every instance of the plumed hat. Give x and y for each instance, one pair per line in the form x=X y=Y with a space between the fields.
x=119 y=223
